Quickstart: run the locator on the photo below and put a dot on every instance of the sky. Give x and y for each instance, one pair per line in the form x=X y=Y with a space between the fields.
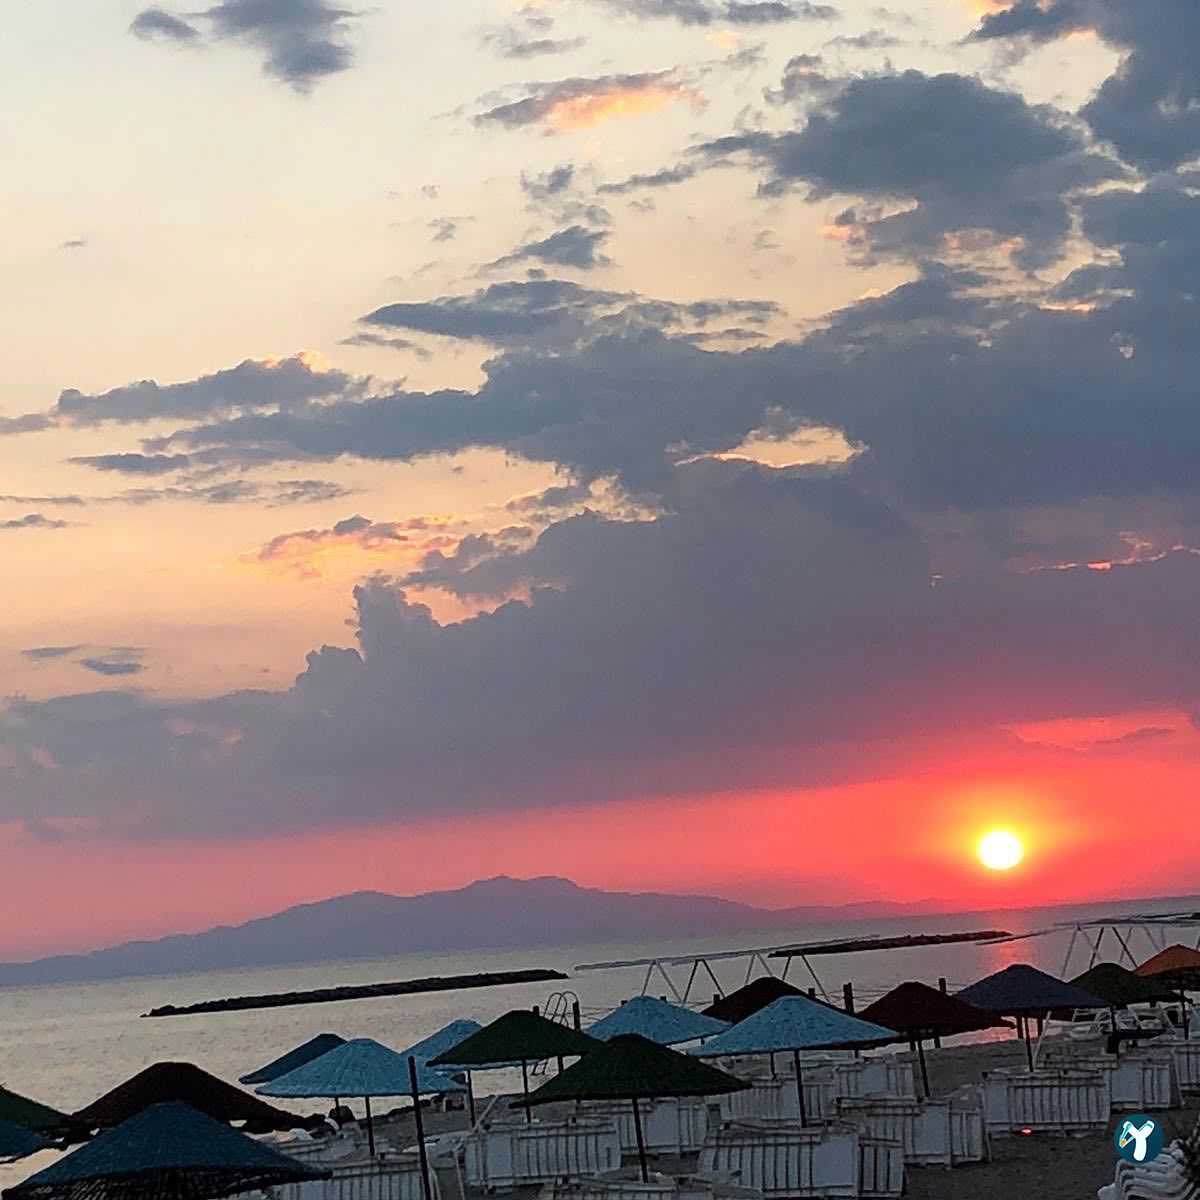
x=735 y=446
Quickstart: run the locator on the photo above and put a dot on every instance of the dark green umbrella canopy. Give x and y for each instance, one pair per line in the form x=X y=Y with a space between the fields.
x=1116 y=986
x=16 y=1141
x=313 y=1048
x=516 y=1037
x=20 y=1110
x=167 y=1152
x=631 y=1067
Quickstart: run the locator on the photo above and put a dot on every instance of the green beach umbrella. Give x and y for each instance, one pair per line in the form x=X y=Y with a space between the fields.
x=518 y=1037
x=29 y=1114
x=1119 y=987
x=631 y=1067
x=166 y=1152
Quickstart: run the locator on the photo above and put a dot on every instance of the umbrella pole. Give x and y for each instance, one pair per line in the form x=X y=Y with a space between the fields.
x=641 y=1140
x=800 y=1089
x=370 y=1128
x=525 y=1089
x=416 y=1099
x=471 y=1097
x=1028 y=1045
x=924 y=1068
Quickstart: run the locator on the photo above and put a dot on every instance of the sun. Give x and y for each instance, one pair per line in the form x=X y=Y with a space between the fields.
x=1000 y=850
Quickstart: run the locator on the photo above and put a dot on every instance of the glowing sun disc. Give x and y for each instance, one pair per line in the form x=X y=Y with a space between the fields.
x=1000 y=850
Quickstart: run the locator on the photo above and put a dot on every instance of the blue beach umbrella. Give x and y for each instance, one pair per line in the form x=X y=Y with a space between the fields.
x=361 y=1067
x=166 y=1152
x=1022 y=991
x=658 y=1021
x=313 y=1048
x=16 y=1141
x=444 y=1039
x=795 y=1023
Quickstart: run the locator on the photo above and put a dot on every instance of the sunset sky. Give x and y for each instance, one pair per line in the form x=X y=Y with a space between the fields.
x=740 y=446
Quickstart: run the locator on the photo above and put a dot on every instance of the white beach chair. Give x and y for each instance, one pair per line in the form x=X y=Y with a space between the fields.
x=509 y=1156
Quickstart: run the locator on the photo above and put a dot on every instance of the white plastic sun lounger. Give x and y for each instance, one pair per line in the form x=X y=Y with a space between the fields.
x=669 y=1126
x=385 y=1178
x=1162 y=1179
x=1187 y=1061
x=509 y=1156
x=790 y=1163
x=775 y=1099
x=1138 y=1081
x=1056 y=1100
x=890 y=1075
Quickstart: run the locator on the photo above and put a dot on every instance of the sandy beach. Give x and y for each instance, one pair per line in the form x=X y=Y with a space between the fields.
x=1037 y=1167
x=1034 y=1168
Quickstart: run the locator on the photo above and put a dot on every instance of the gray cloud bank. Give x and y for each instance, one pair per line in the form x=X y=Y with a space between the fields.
x=1014 y=537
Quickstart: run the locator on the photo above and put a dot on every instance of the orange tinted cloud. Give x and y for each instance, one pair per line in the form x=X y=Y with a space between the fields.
x=583 y=112
x=566 y=105
x=309 y=553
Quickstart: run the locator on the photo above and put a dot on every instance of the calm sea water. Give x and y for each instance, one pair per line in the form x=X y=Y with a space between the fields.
x=66 y=1045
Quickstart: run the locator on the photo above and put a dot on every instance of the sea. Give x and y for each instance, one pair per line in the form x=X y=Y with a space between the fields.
x=67 y=1045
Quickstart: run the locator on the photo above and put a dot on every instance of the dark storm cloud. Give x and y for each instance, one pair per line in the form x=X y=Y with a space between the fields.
x=302 y=41
x=1150 y=108
x=971 y=158
x=574 y=246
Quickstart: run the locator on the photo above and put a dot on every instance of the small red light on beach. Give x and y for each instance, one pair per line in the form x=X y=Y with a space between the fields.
x=1026 y=1131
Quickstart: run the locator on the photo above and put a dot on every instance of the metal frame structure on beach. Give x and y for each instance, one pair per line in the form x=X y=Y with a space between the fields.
x=1153 y=928
x=763 y=957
